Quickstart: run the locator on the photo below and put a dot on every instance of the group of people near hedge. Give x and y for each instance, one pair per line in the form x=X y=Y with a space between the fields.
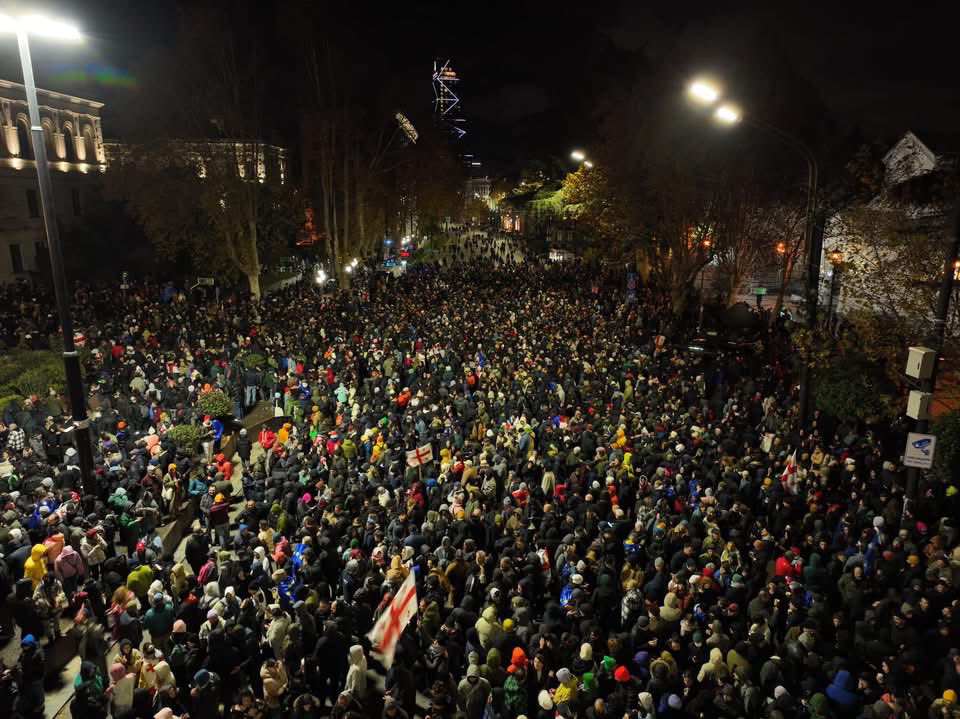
x=609 y=526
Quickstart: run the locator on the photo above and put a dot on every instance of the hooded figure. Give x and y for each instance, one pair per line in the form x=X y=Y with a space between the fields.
x=489 y=629
x=840 y=693
x=122 y=684
x=35 y=567
x=670 y=612
x=357 y=673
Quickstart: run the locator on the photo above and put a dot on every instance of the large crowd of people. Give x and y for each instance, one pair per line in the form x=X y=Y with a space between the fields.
x=606 y=528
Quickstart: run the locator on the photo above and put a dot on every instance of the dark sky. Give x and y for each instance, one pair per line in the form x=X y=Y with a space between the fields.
x=531 y=71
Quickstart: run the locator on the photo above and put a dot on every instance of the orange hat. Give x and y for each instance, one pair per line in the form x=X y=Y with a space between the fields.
x=518 y=657
x=121 y=425
x=622 y=674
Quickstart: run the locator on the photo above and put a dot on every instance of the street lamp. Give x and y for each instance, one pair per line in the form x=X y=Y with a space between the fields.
x=706 y=93
x=577 y=156
x=588 y=164
x=41 y=26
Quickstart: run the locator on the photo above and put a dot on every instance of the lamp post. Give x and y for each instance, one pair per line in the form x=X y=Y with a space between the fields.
x=836 y=263
x=706 y=93
x=44 y=27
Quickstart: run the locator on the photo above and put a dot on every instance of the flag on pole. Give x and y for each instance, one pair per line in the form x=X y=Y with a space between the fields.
x=386 y=632
x=789 y=476
x=420 y=455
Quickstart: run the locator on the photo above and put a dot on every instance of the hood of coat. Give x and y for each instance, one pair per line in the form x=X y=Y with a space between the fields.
x=357 y=657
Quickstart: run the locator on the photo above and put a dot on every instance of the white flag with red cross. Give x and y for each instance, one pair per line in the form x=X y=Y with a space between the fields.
x=386 y=632
x=789 y=476
x=420 y=455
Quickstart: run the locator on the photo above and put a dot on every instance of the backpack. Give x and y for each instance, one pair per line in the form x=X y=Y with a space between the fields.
x=205 y=571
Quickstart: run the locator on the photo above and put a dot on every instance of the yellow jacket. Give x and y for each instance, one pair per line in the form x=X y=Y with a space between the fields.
x=567 y=691
x=36 y=566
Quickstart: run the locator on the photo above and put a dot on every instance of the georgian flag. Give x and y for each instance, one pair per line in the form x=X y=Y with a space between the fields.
x=789 y=476
x=386 y=632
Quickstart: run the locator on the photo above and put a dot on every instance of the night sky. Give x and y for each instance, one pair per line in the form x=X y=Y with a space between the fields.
x=532 y=73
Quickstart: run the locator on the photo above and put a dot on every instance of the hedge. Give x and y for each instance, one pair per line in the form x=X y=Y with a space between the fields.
x=187 y=437
x=25 y=372
x=215 y=404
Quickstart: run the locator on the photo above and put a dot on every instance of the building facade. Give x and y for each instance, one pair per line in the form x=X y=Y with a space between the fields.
x=76 y=156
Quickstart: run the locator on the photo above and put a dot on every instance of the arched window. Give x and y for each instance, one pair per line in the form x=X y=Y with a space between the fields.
x=89 y=144
x=70 y=148
x=23 y=134
x=48 y=141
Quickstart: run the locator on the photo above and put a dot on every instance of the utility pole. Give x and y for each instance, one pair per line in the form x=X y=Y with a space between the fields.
x=935 y=342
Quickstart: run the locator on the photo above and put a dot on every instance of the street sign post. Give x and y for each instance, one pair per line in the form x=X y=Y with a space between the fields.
x=919 y=450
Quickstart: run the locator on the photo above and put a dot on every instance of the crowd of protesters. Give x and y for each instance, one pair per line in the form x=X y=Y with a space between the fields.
x=603 y=530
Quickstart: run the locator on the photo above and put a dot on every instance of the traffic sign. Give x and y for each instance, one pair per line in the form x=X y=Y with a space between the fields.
x=919 y=450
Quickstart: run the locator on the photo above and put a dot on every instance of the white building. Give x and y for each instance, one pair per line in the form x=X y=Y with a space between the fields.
x=75 y=152
x=909 y=159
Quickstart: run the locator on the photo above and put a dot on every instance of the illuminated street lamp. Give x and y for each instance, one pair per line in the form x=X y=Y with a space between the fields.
x=43 y=27
x=588 y=164
x=781 y=248
x=577 y=156
x=705 y=93
x=727 y=115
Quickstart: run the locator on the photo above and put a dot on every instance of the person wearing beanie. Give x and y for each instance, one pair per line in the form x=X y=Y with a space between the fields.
x=566 y=690
x=945 y=706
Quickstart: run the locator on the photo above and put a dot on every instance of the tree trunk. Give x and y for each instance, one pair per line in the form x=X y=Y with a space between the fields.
x=784 y=278
x=254 y=281
x=733 y=284
x=253 y=275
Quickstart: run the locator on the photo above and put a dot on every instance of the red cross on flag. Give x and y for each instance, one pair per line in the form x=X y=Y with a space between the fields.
x=789 y=476
x=386 y=632
x=420 y=455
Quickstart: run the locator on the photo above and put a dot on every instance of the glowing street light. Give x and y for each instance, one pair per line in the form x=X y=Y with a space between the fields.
x=727 y=115
x=703 y=92
x=577 y=156
x=41 y=26
x=588 y=164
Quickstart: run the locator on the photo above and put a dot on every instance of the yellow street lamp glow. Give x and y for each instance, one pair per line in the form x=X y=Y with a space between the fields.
x=727 y=114
x=588 y=164
x=577 y=155
x=41 y=26
x=703 y=92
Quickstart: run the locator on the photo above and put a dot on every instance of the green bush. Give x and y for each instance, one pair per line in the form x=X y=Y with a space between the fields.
x=946 y=460
x=37 y=380
x=187 y=438
x=252 y=360
x=852 y=392
x=215 y=403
